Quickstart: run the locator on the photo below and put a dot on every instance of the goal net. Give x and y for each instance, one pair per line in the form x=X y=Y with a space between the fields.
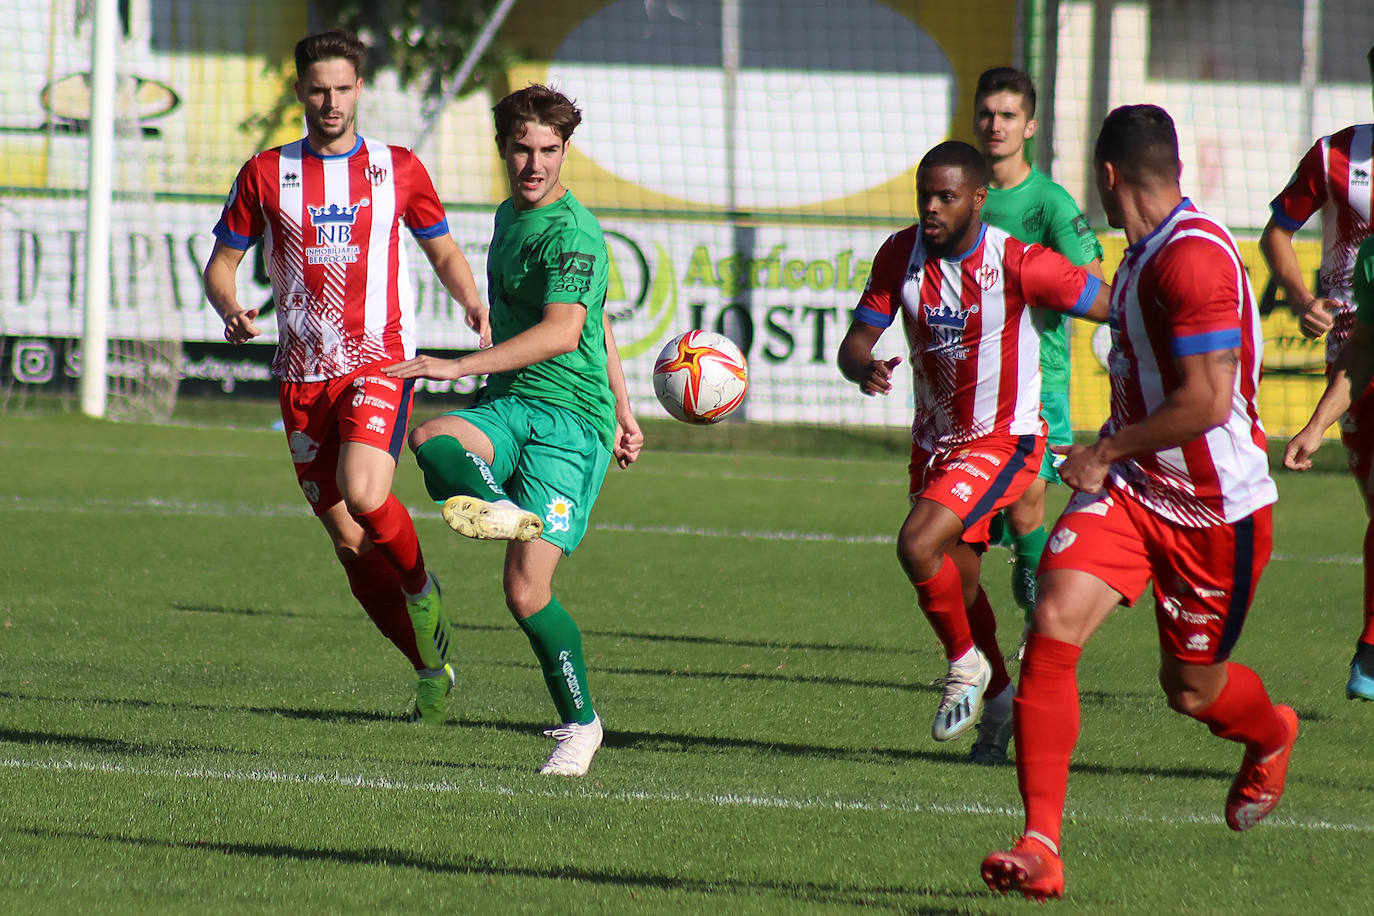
x=746 y=158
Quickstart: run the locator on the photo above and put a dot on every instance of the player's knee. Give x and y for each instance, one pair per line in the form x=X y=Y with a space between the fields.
x=525 y=600
x=419 y=436
x=1184 y=698
x=919 y=558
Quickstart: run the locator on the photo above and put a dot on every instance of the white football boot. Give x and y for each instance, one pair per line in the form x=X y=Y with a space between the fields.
x=577 y=745
x=994 y=730
x=963 y=697
x=475 y=518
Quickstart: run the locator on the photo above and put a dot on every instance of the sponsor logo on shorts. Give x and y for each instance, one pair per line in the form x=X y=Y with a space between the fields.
x=1209 y=593
x=970 y=469
x=311 y=490
x=363 y=381
x=376 y=424
x=1171 y=607
x=303 y=448
x=1063 y=539
x=360 y=399
x=962 y=490
x=1196 y=618
x=558 y=514
x=1199 y=642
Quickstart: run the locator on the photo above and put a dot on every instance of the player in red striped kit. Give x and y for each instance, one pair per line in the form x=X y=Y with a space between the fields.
x=963 y=292
x=329 y=209
x=1176 y=489
x=1335 y=177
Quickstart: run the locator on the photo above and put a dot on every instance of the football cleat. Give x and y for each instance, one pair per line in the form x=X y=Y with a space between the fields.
x=431 y=625
x=963 y=698
x=1361 y=684
x=1030 y=867
x=431 y=695
x=1259 y=784
x=577 y=745
x=475 y=518
x=994 y=730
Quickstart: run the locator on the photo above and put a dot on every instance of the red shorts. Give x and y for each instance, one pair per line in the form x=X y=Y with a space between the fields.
x=975 y=481
x=1357 y=435
x=1204 y=578
x=364 y=406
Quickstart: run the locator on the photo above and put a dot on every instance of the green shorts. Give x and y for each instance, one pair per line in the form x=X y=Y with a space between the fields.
x=549 y=460
x=1054 y=407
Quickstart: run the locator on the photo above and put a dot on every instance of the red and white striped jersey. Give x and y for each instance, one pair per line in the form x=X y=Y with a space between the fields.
x=975 y=353
x=332 y=246
x=1336 y=176
x=1183 y=290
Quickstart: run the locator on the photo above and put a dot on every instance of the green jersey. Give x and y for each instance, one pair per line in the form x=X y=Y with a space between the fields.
x=1038 y=211
x=552 y=254
x=1362 y=292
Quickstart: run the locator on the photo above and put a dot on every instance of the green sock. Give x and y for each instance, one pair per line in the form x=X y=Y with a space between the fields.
x=1029 y=546
x=558 y=644
x=451 y=470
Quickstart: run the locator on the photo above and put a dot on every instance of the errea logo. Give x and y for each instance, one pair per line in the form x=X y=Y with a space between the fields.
x=1359 y=176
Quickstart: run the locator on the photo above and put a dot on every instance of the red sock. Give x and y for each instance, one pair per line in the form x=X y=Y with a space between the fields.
x=941 y=598
x=982 y=624
x=393 y=533
x=1368 y=634
x=1243 y=712
x=377 y=586
x=1045 y=725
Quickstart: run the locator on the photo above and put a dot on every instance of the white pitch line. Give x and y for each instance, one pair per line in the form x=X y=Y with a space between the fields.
x=298 y=510
x=718 y=799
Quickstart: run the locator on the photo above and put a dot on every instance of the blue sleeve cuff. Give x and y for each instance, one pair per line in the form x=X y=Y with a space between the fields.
x=1085 y=298
x=432 y=232
x=1208 y=342
x=232 y=239
x=872 y=318
x=1283 y=220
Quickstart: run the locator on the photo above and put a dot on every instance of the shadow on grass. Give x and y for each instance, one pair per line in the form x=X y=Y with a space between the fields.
x=240 y=611
x=803 y=891
x=730 y=642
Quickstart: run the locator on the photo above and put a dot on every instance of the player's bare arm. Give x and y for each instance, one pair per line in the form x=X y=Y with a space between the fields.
x=453 y=270
x=221 y=288
x=558 y=332
x=1313 y=312
x=1335 y=400
x=629 y=438
x=1201 y=402
x=873 y=376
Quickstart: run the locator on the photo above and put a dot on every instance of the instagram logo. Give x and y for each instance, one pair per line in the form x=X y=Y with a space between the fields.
x=33 y=362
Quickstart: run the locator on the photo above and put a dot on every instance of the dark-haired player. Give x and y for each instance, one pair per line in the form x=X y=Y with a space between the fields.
x=1176 y=489
x=963 y=291
x=329 y=209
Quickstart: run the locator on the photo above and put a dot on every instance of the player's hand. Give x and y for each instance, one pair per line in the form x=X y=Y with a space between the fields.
x=239 y=326
x=479 y=319
x=1315 y=318
x=877 y=379
x=1083 y=468
x=629 y=439
x=426 y=367
x=1298 y=455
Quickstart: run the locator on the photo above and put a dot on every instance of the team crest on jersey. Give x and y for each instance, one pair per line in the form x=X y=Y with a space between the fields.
x=376 y=174
x=987 y=276
x=1063 y=539
x=558 y=514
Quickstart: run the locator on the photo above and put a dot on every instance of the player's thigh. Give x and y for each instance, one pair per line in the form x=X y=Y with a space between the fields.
x=1095 y=559
x=528 y=575
x=365 y=475
x=1028 y=512
x=1054 y=407
x=928 y=532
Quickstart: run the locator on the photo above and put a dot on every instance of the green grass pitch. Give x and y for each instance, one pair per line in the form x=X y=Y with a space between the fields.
x=198 y=718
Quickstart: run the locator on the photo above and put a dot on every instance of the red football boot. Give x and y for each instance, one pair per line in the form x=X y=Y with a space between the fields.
x=1030 y=867
x=1259 y=786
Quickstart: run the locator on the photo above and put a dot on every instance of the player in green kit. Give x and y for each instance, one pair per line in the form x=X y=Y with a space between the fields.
x=525 y=464
x=1026 y=203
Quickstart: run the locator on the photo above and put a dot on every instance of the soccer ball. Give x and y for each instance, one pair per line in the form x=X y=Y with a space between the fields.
x=700 y=376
